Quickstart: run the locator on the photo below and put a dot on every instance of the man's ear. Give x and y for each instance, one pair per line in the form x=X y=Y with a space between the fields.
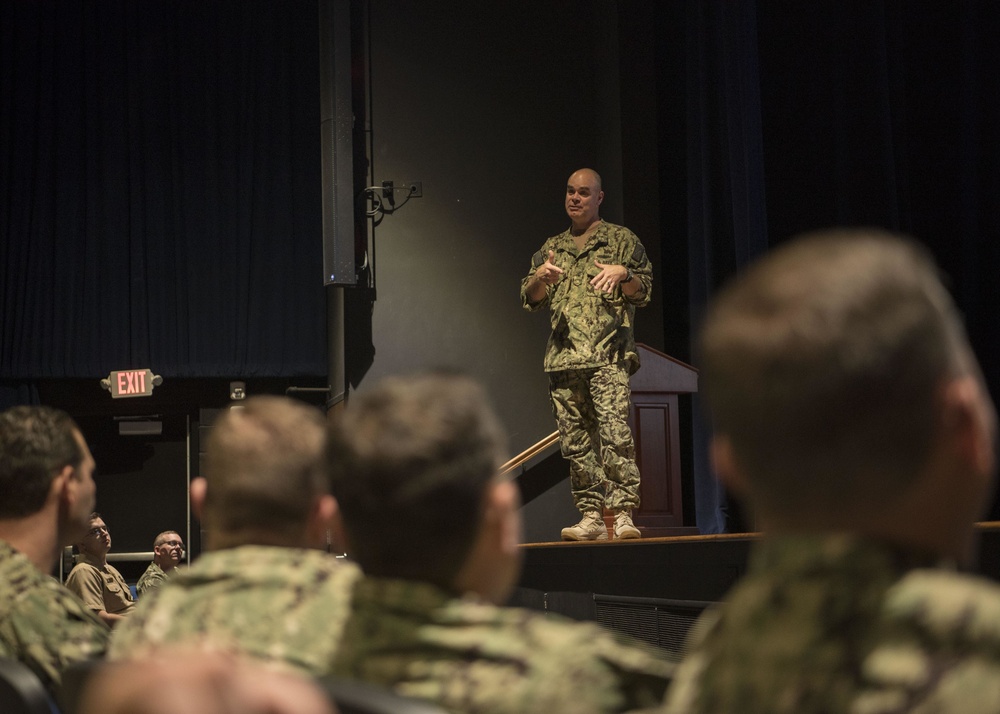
x=321 y=515
x=600 y=198
x=63 y=486
x=339 y=542
x=505 y=504
x=972 y=420
x=199 y=489
x=725 y=465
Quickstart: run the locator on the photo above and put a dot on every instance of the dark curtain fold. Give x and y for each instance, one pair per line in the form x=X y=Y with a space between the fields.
x=722 y=176
x=160 y=184
x=802 y=116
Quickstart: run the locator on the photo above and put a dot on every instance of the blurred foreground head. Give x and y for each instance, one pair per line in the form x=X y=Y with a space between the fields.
x=195 y=681
x=845 y=395
x=414 y=469
x=265 y=476
x=45 y=464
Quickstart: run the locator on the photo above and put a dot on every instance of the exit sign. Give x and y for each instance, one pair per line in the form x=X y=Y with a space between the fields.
x=131 y=383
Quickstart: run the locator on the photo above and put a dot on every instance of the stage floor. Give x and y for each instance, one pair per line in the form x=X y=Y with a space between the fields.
x=653 y=588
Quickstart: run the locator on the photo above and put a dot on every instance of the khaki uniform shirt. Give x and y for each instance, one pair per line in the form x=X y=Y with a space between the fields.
x=42 y=624
x=100 y=586
x=469 y=656
x=283 y=605
x=590 y=328
x=836 y=624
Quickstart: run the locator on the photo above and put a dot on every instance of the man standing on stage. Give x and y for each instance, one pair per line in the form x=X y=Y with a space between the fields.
x=592 y=276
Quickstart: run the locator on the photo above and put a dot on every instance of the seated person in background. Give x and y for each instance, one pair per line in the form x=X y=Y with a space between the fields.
x=168 y=549
x=46 y=491
x=437 y=532
x=101 y=587
x=190 y=681
x=266 y=587
x=850 y=411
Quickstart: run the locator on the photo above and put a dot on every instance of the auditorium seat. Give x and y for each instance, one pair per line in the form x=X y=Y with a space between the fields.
x=21 y=692
x=74 y=678
x=362 y=698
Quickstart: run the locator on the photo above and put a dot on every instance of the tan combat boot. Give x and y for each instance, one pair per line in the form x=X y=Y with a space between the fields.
x=624 y=528
x=591 y=527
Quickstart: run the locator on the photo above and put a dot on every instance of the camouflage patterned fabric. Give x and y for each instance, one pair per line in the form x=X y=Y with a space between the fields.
x=836 y=624
x=590 y=356
x=591 y=328
x=468 y=656
x=591 y=411
x=153 y=577
x=282 y=605
x=42 y=624
x=100 y=586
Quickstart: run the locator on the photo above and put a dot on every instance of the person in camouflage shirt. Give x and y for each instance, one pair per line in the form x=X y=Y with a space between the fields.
x=168 y=550
x=266 y=587
x=849 y=410
x=46 y=478
x=414 y=466
x=592 y=277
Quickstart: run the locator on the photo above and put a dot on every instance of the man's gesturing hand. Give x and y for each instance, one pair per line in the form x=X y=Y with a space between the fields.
x=609 y=277
x=548 y=272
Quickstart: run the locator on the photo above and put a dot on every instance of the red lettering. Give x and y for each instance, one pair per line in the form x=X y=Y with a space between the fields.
x=121 y=383
x=142 y=382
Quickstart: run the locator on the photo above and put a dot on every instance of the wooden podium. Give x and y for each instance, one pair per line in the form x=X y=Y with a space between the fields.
x=655 y=424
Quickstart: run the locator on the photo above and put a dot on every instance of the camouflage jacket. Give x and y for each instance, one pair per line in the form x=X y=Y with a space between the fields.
x=42 y=624
x=283 y=605
x=590 y=328
x=468 y=656
x=153 y=577
x=835 y=624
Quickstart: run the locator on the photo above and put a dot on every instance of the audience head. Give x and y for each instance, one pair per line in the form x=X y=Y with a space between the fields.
x=414 y=468
x=193 y=681
x=44 y=460
x=842 y=387
x=96 y=542
x=265 y=480
x=168 y=550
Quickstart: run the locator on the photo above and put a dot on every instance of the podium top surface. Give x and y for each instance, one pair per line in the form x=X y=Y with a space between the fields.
x=662 y=373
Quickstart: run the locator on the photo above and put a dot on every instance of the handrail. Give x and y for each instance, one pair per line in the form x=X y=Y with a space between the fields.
x=529 y=453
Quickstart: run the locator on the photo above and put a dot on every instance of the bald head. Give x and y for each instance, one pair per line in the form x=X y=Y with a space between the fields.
x=586 y=177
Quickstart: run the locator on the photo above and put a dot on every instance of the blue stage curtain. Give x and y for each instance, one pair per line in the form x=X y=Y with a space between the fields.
x=160 y=188
x=711 y=104
x=801 y=116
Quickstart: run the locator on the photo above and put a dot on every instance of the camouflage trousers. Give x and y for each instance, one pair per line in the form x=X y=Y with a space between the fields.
x=591 y=411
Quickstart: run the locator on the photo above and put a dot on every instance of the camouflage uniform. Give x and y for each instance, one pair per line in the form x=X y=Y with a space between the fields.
x=836 y=624
x=153 y=577
x=589 y=358
x=100 y=586
x=42 y=624
x=468 y=656
x=283 y=605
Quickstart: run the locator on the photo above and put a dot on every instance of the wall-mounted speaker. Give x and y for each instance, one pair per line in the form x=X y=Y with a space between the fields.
x=337 y=126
